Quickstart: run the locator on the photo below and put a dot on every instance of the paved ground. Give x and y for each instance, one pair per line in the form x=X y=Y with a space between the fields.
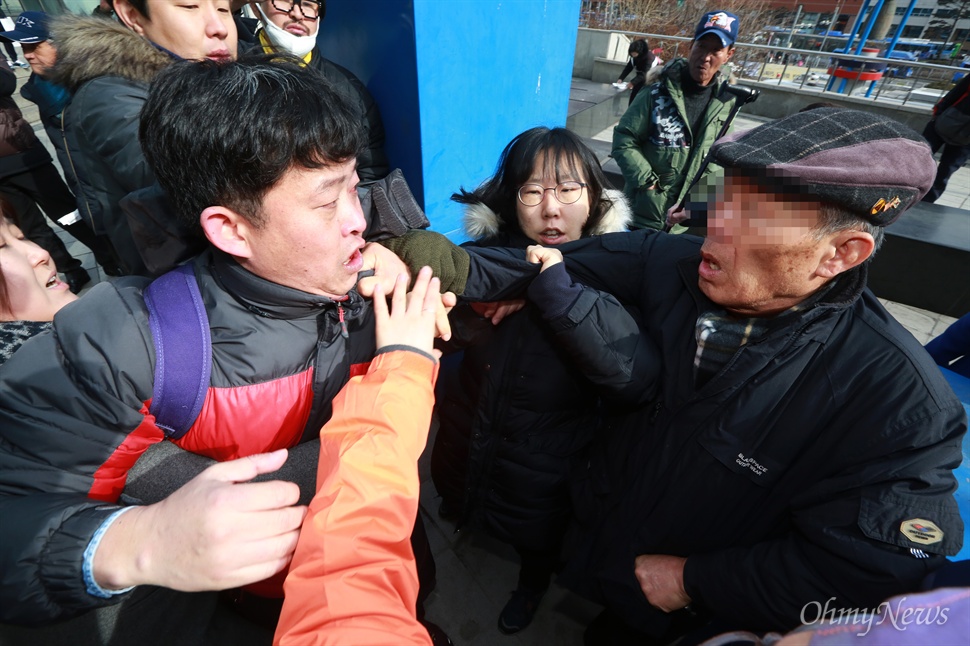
x=475 y=573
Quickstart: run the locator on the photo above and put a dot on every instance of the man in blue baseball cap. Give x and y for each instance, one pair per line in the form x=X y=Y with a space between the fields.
x=661 y=141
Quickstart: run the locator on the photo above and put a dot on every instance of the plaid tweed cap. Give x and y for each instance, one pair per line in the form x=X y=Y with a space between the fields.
x=871 y=165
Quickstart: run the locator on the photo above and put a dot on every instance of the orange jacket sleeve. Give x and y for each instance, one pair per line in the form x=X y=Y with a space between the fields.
x=353 y=579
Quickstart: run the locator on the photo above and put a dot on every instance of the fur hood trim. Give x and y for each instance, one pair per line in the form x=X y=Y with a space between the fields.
x=482 y=222
x=89 y=47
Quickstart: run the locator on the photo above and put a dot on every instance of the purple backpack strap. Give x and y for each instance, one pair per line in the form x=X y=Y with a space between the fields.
x=183 y=350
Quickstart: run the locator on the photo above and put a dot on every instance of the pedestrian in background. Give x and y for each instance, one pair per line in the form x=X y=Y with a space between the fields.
x=641 y=60
x=661 y=141
x=949 y=129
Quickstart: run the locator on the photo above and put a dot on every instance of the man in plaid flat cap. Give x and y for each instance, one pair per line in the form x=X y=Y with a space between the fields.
x=799 y=454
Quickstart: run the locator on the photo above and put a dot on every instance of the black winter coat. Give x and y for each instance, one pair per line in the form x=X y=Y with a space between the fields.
x=797 y=474
x=107 y=67
x=517 y=415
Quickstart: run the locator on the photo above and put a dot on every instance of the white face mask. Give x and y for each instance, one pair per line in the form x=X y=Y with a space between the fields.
x=285 y=41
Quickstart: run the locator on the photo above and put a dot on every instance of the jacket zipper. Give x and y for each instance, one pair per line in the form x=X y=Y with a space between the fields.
x=488 y=459
x=343 y=323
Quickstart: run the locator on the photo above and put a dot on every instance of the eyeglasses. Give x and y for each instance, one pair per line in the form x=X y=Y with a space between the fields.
x=309 y=8
x=566 y=193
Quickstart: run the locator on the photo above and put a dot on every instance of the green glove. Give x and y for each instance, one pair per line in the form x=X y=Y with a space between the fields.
x=419 y=248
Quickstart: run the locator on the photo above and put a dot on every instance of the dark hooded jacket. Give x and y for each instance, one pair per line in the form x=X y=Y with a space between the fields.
x=107 y=68
x=517 y=415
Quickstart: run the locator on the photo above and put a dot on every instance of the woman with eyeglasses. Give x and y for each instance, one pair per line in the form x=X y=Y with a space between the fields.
x=518 y=414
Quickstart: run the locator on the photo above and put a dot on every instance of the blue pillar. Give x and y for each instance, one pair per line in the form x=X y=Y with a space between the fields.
x=455 y=81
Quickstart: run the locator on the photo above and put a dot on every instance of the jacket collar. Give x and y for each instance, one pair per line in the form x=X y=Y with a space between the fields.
x=268 y=299
x=481 y=222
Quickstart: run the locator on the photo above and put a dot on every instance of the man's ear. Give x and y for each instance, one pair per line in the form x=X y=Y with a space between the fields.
x=227 y=231
x=131 y=17
x=845 y=250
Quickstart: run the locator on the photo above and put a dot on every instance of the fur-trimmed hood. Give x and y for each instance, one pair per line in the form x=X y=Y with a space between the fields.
x=482 y=222
x=89 y=47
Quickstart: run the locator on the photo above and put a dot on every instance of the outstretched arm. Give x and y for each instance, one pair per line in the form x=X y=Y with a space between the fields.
x=602 y=337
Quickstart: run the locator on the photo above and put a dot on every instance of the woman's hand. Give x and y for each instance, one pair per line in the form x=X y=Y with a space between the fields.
x=411 y=319
x=545 y=255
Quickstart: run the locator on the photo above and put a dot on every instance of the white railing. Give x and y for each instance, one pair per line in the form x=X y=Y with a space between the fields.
x=900 y=82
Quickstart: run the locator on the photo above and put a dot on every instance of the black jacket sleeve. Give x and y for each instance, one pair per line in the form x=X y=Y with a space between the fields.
x=601 y=336
x=70 y=410
x=959 y=93
x=626 y=70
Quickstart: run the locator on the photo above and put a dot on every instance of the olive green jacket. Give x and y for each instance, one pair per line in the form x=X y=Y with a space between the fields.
x=655 y=149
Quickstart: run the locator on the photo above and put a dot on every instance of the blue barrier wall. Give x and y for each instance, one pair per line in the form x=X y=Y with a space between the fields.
x=456 y=80
x=375 y=40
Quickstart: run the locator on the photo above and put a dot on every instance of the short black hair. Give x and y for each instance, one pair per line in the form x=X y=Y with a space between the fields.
x=639 y=46
x=563 y=152
x=223 y=134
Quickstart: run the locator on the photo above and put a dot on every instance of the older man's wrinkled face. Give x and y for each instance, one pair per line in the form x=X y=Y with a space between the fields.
x=707 y=55
x=761 y=255
x=41 y=57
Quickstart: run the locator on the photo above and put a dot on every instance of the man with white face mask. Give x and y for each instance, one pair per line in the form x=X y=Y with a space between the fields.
x=291 y=26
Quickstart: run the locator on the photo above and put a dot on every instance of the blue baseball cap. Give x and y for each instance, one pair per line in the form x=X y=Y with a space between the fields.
x=722 y=23
x=30 y=27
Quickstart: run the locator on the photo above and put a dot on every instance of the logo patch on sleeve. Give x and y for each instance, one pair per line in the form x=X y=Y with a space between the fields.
x=922 y=531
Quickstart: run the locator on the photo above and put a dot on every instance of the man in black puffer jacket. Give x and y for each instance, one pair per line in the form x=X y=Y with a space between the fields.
x=41 y=54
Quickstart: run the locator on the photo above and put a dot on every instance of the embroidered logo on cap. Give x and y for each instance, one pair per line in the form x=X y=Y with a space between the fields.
x=921 y=531
x=884 y=205
x=720 y=20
